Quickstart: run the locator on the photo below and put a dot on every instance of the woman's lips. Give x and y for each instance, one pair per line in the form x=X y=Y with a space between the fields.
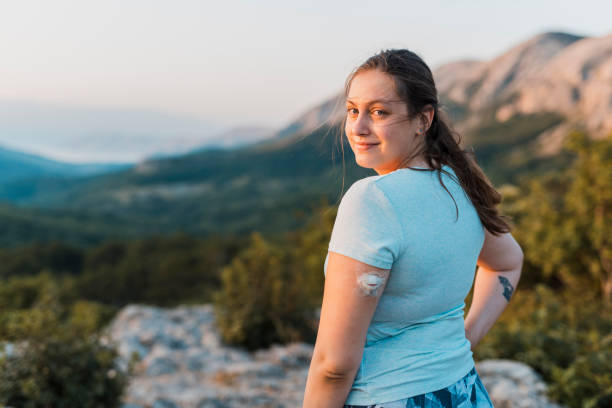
x=365 y=146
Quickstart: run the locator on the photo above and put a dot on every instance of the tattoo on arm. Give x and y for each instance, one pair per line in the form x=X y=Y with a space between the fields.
x=508 y=289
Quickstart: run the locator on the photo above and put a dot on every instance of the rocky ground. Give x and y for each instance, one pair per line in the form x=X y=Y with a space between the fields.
x=183 y=363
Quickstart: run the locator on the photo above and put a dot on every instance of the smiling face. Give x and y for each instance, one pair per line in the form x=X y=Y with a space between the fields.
x=378 y=125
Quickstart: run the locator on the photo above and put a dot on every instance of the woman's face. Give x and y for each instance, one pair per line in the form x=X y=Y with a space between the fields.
x=378 y=126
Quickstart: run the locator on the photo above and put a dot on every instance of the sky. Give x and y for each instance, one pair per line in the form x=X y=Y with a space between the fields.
x=236 y=63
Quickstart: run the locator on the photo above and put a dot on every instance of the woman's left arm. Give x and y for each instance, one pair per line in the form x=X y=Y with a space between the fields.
x=350 y=296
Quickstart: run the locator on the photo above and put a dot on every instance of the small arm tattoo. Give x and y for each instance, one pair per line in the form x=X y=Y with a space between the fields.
x=508 y=289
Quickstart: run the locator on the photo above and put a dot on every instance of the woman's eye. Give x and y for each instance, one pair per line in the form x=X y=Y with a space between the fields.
x=352 y=111
x=379 y=112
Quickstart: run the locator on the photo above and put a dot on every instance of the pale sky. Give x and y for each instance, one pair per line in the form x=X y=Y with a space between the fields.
x=248 y=62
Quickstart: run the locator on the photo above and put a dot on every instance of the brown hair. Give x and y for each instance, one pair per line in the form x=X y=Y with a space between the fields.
x=415 y=85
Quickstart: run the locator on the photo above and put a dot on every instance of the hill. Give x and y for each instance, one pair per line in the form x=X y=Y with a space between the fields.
x=16 y=165
x=513 y=122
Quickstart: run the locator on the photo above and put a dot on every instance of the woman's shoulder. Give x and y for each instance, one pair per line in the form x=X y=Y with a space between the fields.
x=368 y=198
x=362 y=191
x=401 y=183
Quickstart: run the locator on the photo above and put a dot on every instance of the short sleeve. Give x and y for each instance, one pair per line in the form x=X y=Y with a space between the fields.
x=367 y=227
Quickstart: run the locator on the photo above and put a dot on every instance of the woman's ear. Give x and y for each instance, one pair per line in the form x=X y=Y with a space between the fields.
x=427 y=115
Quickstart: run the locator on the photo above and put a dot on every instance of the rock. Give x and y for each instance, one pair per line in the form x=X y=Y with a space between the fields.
x=161 y=366
x=185 y=364
x=511 y=384
x=163 y=403
x=292 y=355
x=7 y=349
x=212 y=403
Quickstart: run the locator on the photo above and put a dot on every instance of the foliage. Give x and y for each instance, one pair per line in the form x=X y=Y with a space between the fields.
x=22 y=293
x=308 y=247
x=262 y=300
x=563 y=221
x=27 y=225
x=163 y=271
x=508 y=150
x=589 y=207
x=31 y=259
x=55 y=361
x=563 y=337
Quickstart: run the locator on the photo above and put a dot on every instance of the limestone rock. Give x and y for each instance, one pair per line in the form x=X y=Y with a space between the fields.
x=511 y=384
x=184 y=364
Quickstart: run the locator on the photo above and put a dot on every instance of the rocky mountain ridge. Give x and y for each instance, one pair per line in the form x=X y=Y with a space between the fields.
x=550 y=72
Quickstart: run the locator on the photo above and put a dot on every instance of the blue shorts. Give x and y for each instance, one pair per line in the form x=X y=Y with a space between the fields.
x=468 y=392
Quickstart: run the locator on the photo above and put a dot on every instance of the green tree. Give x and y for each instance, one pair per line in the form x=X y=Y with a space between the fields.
x=564 y=338
x=563 y=221
x=589 y=207
x=262 y=299
x=308 y=248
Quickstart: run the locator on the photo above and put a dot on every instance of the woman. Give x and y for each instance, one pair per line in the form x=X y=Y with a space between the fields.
x=403 y=254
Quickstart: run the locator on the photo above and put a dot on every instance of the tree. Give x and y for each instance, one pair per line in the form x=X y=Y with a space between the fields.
x=563 y=221
x=262 y=300
x=589 y=206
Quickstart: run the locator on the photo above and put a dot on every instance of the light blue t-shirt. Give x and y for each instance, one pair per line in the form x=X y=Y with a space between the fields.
x=405 y=221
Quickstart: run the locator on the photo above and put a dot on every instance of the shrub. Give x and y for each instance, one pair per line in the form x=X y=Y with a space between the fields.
x=561 y=336
x=262 y=300
x=56 y=362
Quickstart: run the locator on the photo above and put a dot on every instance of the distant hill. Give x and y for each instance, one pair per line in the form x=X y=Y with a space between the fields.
x=15 y=165
x=264 y=185
x=256 y=187
x=79 y=228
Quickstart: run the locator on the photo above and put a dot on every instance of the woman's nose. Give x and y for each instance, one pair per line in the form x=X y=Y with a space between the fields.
x=361 y=126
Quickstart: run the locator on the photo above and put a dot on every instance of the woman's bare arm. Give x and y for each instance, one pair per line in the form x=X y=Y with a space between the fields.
x=350 y=296
x=499 y=270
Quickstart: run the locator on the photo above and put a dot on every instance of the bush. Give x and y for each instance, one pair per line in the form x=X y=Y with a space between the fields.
x=308 y=247
x=587 y=382
x=561 y=336
x=56 y=362
x=262 y=300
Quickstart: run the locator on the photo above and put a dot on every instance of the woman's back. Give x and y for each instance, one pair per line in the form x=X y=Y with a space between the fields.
x=405 y=220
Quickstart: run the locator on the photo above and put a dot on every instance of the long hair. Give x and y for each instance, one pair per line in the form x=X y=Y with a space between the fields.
x=415 y=85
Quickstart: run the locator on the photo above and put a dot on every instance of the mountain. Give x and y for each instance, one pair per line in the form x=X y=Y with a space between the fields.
x=237 y=137
x=328 y=113
x=264 y=185
x=15 y=165
x=552 y=73
x=210 y=191
x=479 y=84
